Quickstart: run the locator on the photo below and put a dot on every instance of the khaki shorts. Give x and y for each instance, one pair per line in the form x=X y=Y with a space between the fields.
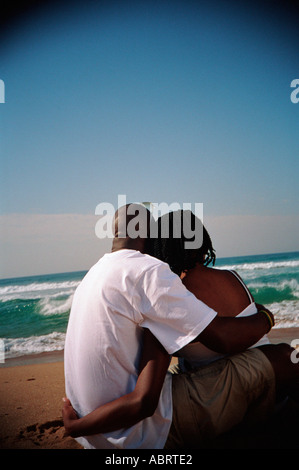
x=211 y=400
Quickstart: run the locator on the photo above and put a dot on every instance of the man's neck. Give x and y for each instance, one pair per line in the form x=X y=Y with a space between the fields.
x=137 y=244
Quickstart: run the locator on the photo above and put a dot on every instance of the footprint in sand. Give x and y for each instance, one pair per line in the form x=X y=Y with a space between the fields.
x=48 y=435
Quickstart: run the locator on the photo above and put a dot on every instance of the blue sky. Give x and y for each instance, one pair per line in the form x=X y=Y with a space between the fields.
x=161 y=101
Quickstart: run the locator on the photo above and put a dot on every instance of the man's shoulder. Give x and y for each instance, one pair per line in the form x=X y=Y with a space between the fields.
x=128 y=254
x=152 y=260
x=151 y=264
x=128 y=260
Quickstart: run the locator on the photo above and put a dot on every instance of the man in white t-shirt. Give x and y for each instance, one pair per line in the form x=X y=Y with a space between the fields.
x=125 y=292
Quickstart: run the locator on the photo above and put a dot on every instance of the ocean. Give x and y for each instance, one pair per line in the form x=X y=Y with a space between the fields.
x=34 y=310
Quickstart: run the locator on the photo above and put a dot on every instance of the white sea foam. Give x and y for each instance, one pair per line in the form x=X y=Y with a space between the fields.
x=261 y=265
x=292 y=284
x=39 y=286
x=53 y=305
x=286 y=313
x=15 y=347
x=37 y=290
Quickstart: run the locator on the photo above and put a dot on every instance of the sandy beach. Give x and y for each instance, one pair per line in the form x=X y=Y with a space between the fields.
x=31 y=391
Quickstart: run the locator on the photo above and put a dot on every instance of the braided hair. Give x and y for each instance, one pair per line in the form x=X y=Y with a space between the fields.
x=170 y=247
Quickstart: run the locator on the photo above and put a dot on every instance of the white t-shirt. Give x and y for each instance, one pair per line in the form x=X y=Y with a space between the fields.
x=122 y=293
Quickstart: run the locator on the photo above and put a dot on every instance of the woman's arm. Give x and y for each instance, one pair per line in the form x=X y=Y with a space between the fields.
x=230 y=335
x=128 y=409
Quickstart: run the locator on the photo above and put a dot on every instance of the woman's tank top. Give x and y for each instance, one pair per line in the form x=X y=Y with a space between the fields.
x=197 y=355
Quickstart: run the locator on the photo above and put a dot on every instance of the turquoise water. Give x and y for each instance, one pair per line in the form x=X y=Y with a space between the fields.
x=34 y=310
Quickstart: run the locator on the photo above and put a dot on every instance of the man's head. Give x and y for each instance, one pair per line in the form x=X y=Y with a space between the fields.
x=131 y=224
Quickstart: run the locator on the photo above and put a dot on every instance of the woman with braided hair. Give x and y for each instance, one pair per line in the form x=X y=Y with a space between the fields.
x=169 y=245
x=221 y=290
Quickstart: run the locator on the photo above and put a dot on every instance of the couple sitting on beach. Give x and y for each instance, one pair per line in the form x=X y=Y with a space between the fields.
x=150 y=299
